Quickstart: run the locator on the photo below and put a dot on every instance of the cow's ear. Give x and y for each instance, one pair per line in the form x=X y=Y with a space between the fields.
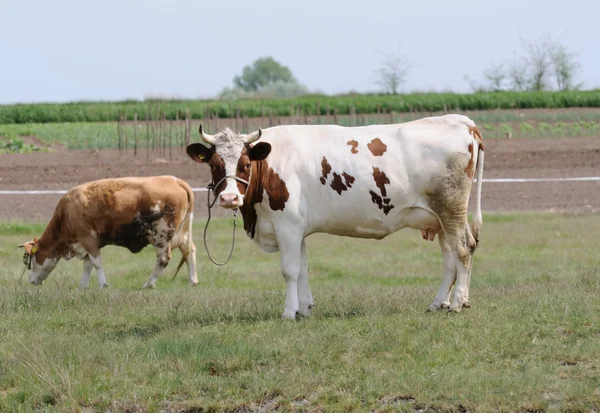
x=260 y=151
x=30 y=247
x=199 y=153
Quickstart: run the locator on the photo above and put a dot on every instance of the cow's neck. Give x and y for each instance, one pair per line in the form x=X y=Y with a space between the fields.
x=52 y=243
x=262 y=179
x=253 y=196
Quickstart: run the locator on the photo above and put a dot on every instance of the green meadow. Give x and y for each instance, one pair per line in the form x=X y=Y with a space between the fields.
x=530 y=341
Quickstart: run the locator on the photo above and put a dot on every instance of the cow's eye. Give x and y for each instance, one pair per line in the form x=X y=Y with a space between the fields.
x=248 y=165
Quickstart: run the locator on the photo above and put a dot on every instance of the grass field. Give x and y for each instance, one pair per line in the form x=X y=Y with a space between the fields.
x=529 y=343
x=493 y=124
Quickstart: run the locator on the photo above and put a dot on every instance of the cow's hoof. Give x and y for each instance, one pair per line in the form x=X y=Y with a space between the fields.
x=149 y=286
x=445 y=306
x=305 y=312
x=433 y=308
x=194 y=283
x=105 y=285
x=454 y=310
x=289 y=315
x=467 y=305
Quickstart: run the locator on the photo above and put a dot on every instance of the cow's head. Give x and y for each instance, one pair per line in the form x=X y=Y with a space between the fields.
x=229 y=155
x=39 y=263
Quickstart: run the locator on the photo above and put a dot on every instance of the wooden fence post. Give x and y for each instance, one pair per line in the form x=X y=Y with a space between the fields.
x=124 y=129
x=164 y=133
x=119 y=130
x=170 y=139
x=135 y=133
x=187 y=126
x=148 y=132
x=318 y=112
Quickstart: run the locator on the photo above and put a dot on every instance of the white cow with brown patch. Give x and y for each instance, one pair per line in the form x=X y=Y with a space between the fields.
x=365 y=182
x=128 y=212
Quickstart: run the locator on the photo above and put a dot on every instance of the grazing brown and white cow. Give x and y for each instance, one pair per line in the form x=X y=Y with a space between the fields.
x=128 y=212
x=365 y=182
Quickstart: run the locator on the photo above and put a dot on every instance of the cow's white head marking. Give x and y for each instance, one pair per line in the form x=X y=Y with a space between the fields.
x=229 y=156
x=38 y=272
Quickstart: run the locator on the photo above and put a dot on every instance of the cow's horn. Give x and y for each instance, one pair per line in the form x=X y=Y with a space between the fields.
x=206 y=139
x=254 y=136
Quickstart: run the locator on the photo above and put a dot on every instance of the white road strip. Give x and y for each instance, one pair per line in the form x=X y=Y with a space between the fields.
x=490 y=180
x=59 y=191
x=577 y=179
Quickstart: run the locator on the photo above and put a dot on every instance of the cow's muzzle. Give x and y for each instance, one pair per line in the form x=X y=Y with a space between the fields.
x=227 y=200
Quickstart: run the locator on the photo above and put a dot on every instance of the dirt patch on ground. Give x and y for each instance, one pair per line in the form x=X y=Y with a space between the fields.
x=517 y=158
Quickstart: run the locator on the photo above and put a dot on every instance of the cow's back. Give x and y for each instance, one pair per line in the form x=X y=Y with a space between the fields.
x=124 y=211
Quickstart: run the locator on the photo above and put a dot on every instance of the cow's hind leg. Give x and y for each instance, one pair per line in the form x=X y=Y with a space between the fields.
x=305 y=298
x=463 y=259
x=472 y=246
x=163 y=255
x=188 y=250
x=448 y=197
x=442 y=299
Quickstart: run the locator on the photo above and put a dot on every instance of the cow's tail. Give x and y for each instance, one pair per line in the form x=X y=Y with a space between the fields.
x=477 y=224
x=187 y=226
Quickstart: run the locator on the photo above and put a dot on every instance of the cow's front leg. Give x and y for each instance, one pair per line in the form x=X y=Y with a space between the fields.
x=87 y=271
x=97 y=263
x=163 y=255
x=305 y=298
x=290 y=247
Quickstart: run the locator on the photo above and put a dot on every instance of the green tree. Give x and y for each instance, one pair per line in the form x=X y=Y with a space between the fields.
x=262 y=72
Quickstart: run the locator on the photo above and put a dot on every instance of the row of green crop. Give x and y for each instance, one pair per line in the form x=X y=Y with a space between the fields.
x=306 y=105
x=103 y=135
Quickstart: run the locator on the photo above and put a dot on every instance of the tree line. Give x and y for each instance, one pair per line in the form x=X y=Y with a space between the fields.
x=542 y=65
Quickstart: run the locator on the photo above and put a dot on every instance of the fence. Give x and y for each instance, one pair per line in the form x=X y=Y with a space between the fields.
x=153 y=132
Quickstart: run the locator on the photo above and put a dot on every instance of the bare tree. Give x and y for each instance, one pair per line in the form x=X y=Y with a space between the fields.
x=565 y=66
x=538 y=63
x=475 y=86
x=392 y=73
x=495 y=77
x=517 y=74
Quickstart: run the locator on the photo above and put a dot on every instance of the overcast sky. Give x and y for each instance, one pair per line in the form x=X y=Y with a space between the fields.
x=64 y=50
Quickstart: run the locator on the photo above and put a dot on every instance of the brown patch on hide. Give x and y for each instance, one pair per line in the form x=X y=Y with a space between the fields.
x=338 y=185
x=263 y=178
x=354 y=145
x=470 y=169
x=325 y=169
x=477 y=135
x=377 y=147
x=349 y=179
x=381 y=201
